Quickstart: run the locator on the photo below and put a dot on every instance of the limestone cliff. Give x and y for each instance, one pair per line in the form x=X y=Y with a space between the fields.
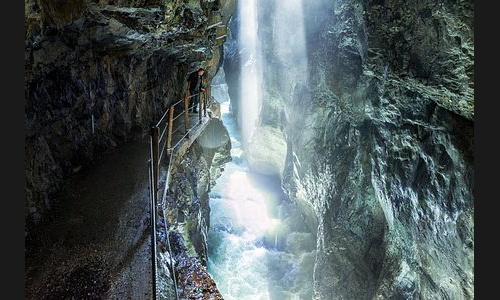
x=379 y=142
x=99 y=73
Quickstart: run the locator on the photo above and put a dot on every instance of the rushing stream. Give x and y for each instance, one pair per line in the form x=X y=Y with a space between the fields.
x=257 y=247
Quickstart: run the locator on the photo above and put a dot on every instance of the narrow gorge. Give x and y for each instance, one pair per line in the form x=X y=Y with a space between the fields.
x=332 y=156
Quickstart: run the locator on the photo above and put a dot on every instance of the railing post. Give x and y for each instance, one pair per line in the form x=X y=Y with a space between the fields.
x=186 y=109
x=153 y=229
x=154 y=160
x=199 y=104
x=170 y=125
x=205 y=103
x=209 y=96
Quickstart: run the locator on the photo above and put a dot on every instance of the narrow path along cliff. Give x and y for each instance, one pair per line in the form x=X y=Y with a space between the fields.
x=98 y=74
x=97 y=242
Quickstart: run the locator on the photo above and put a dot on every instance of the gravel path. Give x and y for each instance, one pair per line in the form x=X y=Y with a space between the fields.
x=96 y=244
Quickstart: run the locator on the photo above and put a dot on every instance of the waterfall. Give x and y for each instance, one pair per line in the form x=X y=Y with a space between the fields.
x=290 y=41
x=251 y=68
x=250 y=215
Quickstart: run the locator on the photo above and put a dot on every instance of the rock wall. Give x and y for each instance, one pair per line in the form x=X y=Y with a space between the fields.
x=188 y=213
x=191 y=180
x=99 y=73
x=379 y=142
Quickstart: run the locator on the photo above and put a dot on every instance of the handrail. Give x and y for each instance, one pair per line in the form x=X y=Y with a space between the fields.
x=162 y=151
x=159 y=122
x=155 y=162
x=178 y=102
x=153 y=229
x=163 y=132
x=168 y=111
x=179 y=115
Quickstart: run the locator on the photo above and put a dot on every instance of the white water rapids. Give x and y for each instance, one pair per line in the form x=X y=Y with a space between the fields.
x=259 y=247
x=255 y=251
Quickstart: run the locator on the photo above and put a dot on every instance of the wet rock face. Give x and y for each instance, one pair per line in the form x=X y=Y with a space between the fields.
x=380 y=145
x=188 y=216
x=194 y=281
x=267 y=151
x=188 y=208
x=99 y=73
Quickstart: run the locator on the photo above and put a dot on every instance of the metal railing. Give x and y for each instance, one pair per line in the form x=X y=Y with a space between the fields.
x=153 y=230
x=164 y=139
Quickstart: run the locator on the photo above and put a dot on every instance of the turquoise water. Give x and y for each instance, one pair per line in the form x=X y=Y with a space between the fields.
x=257 y=246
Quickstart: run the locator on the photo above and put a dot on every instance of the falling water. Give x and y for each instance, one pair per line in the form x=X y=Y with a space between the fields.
x=251 y=68
x=258 y=245
x=289 y=31
x=289 y=40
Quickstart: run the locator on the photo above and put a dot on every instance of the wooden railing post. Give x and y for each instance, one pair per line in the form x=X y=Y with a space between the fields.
x=170 y=125
x=209 y=96
x=199 y=104
x=155 y=159
x=186 y=110
x=205 y=103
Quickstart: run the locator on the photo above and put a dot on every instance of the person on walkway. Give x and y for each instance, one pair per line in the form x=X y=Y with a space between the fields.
x=195 y=86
